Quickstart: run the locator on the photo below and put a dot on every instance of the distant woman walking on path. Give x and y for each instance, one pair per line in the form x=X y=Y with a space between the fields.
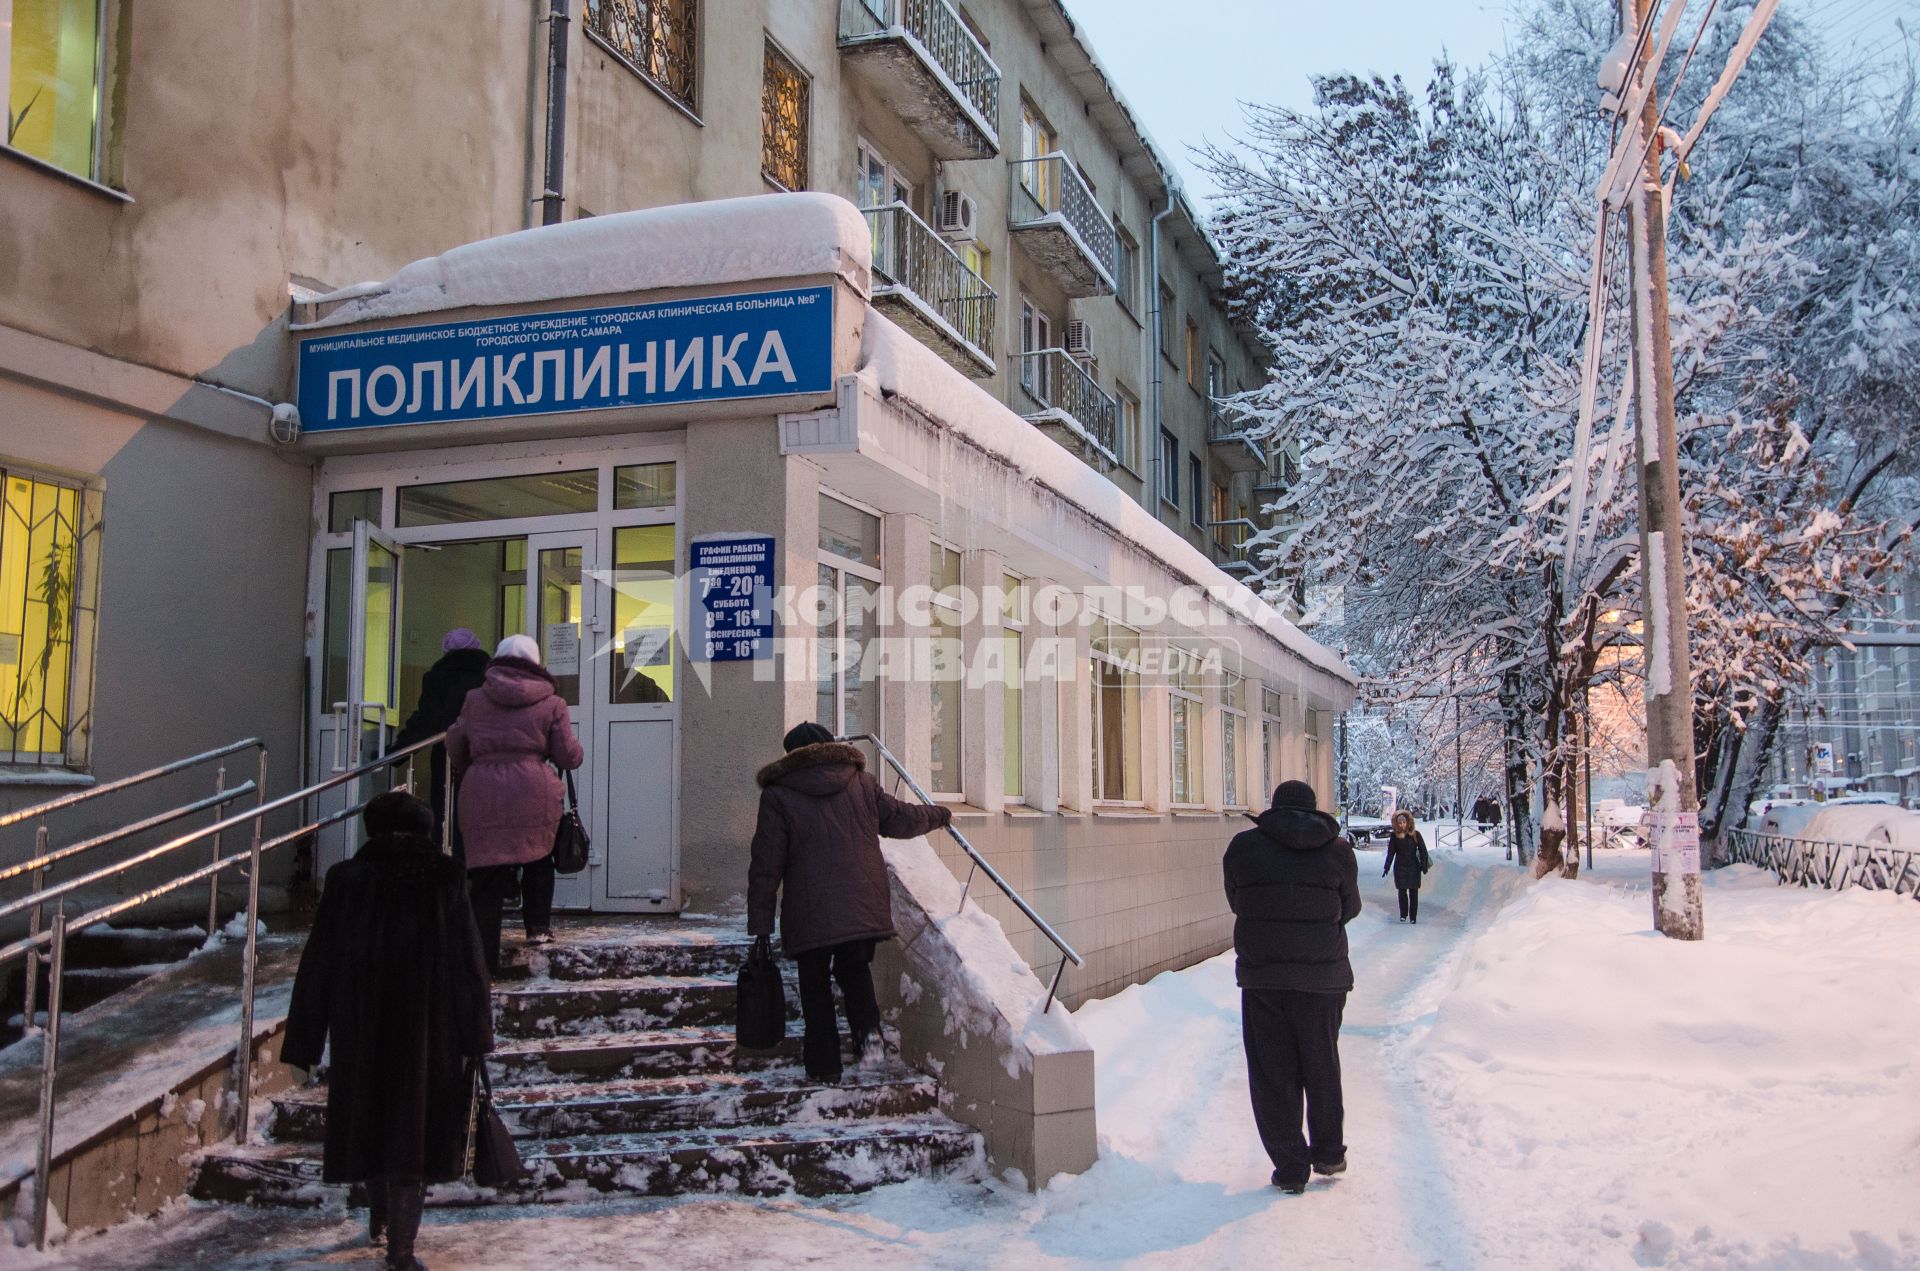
x=509 y=801
x=393 y=975
x=1407 y=858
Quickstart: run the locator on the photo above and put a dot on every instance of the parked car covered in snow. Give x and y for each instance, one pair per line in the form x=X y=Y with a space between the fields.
x=1866 y=823
x=1368 y=829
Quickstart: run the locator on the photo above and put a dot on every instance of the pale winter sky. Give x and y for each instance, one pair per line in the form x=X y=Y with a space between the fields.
x=1186 y=65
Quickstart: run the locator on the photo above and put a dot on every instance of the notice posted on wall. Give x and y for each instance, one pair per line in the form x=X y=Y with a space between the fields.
x=1675 y=839
x=730 y=578
x=563 y=648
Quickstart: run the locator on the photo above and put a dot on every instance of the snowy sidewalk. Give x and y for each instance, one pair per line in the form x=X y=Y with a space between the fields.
x=1512 y=1096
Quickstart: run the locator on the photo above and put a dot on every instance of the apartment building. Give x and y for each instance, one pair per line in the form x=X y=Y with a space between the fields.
x=208 y=522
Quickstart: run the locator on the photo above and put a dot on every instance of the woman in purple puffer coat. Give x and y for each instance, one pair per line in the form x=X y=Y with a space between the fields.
x=508 y=800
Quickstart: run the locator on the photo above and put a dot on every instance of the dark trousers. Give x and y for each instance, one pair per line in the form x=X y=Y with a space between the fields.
x=1410 y=903
x=1293 y=1052
x=851 y=965
x=393 y=1214
x=490 y=885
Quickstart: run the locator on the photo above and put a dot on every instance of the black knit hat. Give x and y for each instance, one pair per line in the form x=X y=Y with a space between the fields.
x=1294 y=794
x=397 y=812
x=807 y=734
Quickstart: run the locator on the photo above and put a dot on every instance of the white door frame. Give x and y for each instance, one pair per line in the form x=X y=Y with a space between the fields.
x=389 y=472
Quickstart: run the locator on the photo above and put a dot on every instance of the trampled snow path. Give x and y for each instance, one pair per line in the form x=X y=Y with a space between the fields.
x=1182 y=1182
x=1532 y=1079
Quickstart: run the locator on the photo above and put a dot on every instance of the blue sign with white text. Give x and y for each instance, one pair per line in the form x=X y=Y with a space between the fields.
x=731 y=578
x=717 y=348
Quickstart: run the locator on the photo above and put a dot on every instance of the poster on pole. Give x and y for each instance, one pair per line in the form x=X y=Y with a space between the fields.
x=1823 y=758
x=1675 y=839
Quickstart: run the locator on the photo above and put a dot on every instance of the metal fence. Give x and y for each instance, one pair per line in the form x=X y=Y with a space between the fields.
x=938 y=30
x=1050 y=184
x=1060 y=383
x=1837 y=866
x=907 y=254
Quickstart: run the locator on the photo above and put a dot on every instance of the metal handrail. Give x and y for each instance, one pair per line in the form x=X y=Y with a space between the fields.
x=40 y=810
x=980 y=865
x=44 y=857
x=62 y=926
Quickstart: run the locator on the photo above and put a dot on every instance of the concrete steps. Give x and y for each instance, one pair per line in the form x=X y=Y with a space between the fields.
x=616 y=1071
x=813 y=1160
x=779 y=1096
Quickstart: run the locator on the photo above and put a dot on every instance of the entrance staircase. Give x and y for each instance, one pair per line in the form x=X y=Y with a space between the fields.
x=616 y=1071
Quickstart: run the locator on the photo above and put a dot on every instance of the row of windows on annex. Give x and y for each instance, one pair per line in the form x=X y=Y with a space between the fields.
x=1224 y=739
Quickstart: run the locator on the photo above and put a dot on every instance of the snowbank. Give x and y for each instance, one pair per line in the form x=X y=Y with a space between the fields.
x=970 y=1010
x=724 y=241
x=894 y=364
x=1745 y=1100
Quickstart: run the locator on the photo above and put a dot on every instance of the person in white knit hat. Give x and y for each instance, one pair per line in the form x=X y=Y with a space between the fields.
x=508 y=800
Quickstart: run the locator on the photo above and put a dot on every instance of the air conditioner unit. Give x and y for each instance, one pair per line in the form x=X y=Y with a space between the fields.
x=956 y=215
x=1079 y=341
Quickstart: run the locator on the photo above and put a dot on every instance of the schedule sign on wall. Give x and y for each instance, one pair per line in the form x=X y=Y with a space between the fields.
x=730 y=578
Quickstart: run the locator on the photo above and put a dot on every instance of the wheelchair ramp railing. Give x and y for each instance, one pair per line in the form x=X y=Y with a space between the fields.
x=979 y=865
x=48 y=940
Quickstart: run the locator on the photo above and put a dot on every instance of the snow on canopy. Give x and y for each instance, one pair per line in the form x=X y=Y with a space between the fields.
x=765 y=236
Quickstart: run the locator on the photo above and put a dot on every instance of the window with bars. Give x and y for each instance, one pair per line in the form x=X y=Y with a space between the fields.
x=785 y=99
x=655 y=38
x=49 y=534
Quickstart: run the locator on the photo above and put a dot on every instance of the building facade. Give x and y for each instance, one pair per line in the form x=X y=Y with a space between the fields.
x=203 y=545
x=1856 y=727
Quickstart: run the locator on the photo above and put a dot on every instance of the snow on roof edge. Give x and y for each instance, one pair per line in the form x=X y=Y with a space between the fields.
x=762 y=236
x=896 y=363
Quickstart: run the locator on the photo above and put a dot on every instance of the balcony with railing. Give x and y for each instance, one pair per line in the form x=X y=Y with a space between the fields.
x=923 y=284
x=1055 y=217
x=921 y=61
x=1074 y=410
x=1228 y=545
x=1228 y=439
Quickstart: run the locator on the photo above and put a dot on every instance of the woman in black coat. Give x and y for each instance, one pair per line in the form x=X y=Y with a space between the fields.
x=443 y=691
x=1407 y=858
x=394 y=976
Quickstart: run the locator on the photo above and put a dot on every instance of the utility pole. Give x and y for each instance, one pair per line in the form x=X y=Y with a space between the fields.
x=1672 y=799
x=1459 y=775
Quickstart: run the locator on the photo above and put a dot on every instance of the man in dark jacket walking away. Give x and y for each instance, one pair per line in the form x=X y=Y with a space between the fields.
x=443 y=691
x=818 y=842
x=393 y=974
x=1293 y=885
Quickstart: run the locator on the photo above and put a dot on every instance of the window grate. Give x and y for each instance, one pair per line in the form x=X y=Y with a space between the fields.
x=785 y=99
x=655 y=38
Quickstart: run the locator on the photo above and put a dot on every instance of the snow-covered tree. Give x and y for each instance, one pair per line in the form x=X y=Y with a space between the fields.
x=1421 y=272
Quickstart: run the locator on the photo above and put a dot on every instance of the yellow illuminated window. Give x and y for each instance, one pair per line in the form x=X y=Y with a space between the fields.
x=42 y=708
x=784 y=99
x=50 y=68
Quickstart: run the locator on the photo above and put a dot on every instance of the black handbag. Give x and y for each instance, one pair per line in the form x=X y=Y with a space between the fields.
x=760 y=1001
x=570 y=842
x=493 y=1160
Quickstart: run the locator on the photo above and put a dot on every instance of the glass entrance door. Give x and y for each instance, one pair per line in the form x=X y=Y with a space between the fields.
x=562 y=617
x=362 y=710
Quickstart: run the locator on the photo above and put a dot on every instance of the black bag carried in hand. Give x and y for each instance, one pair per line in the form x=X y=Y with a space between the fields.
x=493 y=1160
x=570 y=840
x=760 y=1004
